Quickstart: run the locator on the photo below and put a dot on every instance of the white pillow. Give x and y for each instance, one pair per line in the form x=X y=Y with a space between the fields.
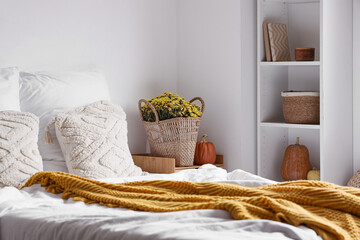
x=19 y=154
x=94 y=141
x=56 y=166
x=9 y=89
x=47 y=93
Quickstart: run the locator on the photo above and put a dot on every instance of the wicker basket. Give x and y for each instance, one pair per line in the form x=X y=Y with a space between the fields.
x=175 y=138
x=301 y=107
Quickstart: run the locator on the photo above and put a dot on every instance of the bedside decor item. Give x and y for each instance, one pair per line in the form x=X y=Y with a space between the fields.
x=354 y=180
x=304 y=54
x=296 y=162
x=279 y=42
x=301 y=107
x=171 y=126
x=204 y=152
x=313 y=175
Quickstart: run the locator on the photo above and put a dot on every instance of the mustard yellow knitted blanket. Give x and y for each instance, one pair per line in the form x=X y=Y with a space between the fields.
x=332 y=211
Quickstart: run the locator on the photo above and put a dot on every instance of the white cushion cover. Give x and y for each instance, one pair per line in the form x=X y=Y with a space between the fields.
x=94 y=141
x=47 y=93
x=9 y=89
x=19 y=154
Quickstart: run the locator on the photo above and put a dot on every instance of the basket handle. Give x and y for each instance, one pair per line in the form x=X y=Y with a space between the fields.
x=202 y=102
x=151 y=107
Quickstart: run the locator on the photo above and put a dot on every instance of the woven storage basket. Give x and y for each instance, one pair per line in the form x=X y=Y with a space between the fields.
x=175 y=137
x=301 y=107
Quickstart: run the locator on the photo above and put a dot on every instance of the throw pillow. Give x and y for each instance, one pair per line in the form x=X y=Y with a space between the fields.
x=19 y=154
x=93 y=140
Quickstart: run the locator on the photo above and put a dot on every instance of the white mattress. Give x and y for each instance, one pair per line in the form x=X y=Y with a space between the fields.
x=32 y=213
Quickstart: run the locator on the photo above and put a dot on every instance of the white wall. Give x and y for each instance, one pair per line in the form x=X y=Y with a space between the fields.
x=196 y=47
x=356 y=84
x=216 y=55
x=337 y=112
x=133 y=42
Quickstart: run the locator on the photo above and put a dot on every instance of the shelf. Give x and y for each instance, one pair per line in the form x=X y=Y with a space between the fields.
x=153 y=164
x=178 y=169
x=293 y=1
x=289 y=125
x=292 y=63
x=219 y=162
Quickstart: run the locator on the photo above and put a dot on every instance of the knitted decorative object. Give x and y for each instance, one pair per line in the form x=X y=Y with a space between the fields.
x=355 y=180
x=93 y=140
x=19 y=154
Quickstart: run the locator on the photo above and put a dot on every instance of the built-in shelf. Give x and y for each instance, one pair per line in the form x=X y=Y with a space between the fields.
x=292 y=63
x=308 y=25
x=302 y=18
x=280 y=124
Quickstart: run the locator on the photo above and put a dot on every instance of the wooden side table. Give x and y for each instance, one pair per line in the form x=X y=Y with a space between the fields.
x=153 y=164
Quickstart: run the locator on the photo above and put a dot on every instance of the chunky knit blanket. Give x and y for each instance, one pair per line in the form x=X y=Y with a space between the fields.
x=331 y=210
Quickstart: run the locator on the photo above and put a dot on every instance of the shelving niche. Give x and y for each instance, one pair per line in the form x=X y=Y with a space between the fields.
x=274 y=135
x=308 y=22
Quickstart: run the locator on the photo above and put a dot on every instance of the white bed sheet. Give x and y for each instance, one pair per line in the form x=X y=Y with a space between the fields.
x=32 y=213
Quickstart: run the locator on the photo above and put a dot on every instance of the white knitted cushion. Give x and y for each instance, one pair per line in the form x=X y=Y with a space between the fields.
x=19 y=154
x=93 y=140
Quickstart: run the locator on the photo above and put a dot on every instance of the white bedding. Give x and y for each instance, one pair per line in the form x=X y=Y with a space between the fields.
x=32 y=213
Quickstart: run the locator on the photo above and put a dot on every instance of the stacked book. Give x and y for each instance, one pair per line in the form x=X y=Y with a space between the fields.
x=276 y=42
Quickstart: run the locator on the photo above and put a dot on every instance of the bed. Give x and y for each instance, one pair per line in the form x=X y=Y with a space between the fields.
x=33 y=213
x=62 y=148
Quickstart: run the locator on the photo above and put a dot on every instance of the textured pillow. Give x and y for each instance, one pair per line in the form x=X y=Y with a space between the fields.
x=94 y=141
x=19 y=154
x=48 y=93
x=9 y=89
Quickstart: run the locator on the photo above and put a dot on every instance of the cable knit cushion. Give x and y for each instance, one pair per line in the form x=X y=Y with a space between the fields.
x=19 y=154
x=94 y=141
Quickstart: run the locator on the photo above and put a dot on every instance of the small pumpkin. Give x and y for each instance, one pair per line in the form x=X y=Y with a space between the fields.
x=296 y=162
x=313 y=175
x=204 y=152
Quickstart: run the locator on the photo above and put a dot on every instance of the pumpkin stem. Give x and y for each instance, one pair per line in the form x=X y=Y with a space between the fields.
x=203 y=140
x=297 y=141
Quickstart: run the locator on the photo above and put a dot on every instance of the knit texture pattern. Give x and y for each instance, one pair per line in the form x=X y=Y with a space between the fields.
x=332 y=211
x=19 y=154
x=94 y=142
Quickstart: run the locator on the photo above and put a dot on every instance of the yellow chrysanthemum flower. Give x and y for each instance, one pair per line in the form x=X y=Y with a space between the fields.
x=169 y=105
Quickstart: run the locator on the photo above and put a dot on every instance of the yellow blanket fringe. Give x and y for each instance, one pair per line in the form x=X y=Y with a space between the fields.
x=332 y=211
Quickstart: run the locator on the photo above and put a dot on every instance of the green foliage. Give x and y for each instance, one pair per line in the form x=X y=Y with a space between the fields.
x=169 y=105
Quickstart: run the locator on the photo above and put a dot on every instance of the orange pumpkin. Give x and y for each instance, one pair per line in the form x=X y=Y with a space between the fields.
x=296 y=162
x=204 y=152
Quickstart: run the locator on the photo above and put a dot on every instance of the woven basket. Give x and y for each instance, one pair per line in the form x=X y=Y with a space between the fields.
x=175 y=138
x=301 y=107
